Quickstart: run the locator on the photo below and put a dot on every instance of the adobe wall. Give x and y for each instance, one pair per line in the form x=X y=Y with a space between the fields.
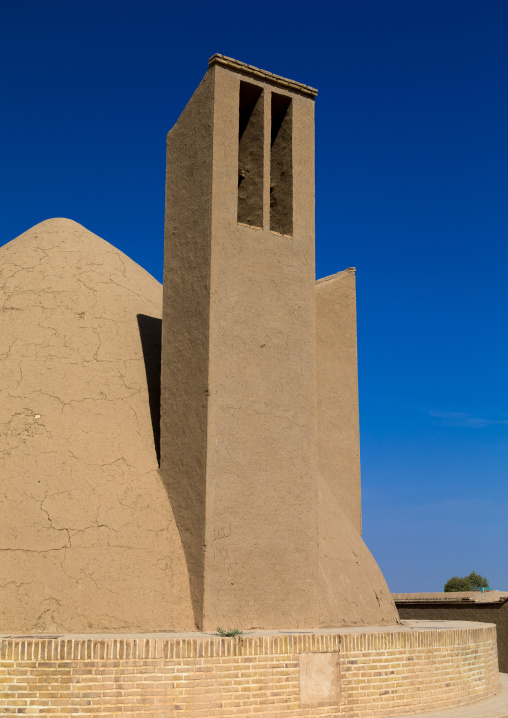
x=353 y=672
x=353 y=590
x=280 y=546
x=496 y=613
x=337 y=391
x=186 y=302
x=88 y=539
x=238 y=411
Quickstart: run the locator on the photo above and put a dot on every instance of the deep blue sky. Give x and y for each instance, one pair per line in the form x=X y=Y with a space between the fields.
x=412 y=188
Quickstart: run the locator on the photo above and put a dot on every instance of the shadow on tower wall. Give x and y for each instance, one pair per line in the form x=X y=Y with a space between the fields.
x=150 y=332
x=185 y=497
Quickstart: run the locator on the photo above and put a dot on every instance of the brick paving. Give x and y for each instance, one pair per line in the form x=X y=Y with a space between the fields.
x=495 y=707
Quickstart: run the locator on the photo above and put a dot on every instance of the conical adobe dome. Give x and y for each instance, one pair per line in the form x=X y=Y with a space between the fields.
x=88 y=538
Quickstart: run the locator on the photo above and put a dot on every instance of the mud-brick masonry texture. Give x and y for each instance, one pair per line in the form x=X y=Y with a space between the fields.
x=249 y=481
x=358 y=673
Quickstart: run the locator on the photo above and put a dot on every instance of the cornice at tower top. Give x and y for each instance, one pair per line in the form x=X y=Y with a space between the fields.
x=259 y=74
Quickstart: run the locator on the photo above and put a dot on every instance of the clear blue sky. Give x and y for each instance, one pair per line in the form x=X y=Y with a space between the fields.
x=412 y=189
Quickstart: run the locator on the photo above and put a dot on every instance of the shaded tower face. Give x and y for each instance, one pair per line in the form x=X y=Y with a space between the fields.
x=238 y=403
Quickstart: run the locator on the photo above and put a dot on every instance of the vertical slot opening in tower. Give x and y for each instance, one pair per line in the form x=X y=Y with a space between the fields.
x=281 y=165
x=250 y=155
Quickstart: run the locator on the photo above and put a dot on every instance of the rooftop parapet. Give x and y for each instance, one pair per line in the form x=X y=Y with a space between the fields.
x=452 y=597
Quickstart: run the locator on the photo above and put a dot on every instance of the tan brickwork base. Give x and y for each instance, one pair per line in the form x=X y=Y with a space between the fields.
x=357 y=673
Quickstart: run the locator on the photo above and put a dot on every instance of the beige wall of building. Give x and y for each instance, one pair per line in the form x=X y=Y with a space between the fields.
x=254 y=388
x=270 y=541
x=88 y=540
x=337 y=391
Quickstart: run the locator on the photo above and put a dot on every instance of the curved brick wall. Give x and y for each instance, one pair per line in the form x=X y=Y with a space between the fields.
x=348 y=672
x=484 y=610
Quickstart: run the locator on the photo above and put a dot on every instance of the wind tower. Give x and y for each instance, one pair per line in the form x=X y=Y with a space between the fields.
x=238 y=385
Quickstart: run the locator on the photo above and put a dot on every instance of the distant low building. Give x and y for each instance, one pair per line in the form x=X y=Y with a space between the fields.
x=488 y=607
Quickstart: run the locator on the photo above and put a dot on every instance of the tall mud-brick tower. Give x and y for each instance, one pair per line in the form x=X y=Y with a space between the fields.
x=265 y=542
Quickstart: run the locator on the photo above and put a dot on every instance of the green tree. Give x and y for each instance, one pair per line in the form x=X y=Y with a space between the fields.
x=466 y=583
x=458 y=584
x=478 y=581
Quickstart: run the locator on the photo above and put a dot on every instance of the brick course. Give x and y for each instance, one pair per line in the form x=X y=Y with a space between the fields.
x=382 y=672
x=490 y=607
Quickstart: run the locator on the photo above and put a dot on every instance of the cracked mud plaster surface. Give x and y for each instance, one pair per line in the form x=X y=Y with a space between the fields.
x=88 y=540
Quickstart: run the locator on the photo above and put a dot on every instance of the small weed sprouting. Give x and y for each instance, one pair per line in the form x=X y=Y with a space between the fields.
x=229 y=633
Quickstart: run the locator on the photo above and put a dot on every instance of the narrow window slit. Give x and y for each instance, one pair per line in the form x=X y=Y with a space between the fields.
x=250 y=155
x=281 y=165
